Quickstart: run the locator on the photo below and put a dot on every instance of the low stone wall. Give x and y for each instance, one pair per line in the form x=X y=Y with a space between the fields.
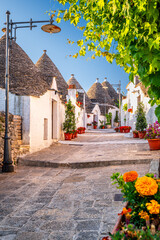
x=15 y=133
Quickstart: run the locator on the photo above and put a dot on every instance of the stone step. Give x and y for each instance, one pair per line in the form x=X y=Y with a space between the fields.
x=78 y=165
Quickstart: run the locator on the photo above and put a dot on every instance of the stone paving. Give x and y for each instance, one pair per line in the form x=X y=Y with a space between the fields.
x=92 y=149
x=61 y=204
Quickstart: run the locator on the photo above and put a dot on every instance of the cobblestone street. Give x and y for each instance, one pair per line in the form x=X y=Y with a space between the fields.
x=62 y=204
x=73 y=200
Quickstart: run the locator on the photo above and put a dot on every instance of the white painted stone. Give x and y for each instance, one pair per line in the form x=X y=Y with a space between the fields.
x=133 y=93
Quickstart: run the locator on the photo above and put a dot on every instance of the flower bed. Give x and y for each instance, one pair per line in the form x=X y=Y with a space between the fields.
x=140 y=218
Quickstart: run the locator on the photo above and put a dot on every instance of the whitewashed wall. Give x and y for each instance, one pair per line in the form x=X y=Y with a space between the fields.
x=79 y=112
x=41 y=108
x=131 y=100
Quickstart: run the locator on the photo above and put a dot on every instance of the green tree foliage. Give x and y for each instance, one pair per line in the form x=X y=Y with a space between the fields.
x=109 y=118
x=141 y=122
x=69 y=125
x=125 y=30
x=125 y=107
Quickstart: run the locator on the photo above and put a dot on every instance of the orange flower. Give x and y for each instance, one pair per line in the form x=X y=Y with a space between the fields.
x=144 y=215
x=125 y=211
x=146 y=186
x=153 y=207
x=130 y=176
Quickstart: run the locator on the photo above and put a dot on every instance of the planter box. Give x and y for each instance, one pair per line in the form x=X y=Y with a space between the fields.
x=118 y=224
x=126 y=130
x=80 y=131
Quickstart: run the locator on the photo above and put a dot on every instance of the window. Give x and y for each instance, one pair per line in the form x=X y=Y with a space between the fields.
x=138 y=99
x=45 y=128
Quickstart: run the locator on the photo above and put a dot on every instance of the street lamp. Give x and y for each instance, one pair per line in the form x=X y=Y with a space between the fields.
x=10 y=25
x=105 y=87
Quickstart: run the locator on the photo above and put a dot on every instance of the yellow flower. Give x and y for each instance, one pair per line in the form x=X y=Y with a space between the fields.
x=153 y=207
x=146 y=186
x=130 y=176
x=144 y=215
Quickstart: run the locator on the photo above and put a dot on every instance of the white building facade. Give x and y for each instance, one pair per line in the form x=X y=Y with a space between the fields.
x=136 y=93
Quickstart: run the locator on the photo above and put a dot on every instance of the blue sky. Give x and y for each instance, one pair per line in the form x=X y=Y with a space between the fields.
x=35 y=41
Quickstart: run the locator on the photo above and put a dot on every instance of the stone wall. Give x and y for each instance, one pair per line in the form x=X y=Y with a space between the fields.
x=15 y=133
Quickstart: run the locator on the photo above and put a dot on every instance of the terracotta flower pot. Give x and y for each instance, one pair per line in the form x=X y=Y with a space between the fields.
x=73 y=135
x=126 y=130
x=135 y=135
x=154 y=144
x=80 y=131
x=68 y=136
x=76 y=134
x=141 y=134
x=94 y=126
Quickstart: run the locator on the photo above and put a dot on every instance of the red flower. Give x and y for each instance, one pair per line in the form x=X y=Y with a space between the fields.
x=125 y=211
x=105 y=238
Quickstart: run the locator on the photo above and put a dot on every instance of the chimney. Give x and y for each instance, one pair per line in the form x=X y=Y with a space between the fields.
x=97 y=80
x=136 y=80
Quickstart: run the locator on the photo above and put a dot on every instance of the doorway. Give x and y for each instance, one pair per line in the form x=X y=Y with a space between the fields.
x=54 y=120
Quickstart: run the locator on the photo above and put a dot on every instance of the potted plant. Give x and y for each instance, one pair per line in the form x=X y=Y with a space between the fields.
x=141 y=122
x=109 y=119
x=94 y=124
x=80 y=130
x=69 y=123
x=127 y=129
x=101 y=124
x=116 y=120
x=135 y=134
x=153 y=136
x=140 y=217
x=116 y=129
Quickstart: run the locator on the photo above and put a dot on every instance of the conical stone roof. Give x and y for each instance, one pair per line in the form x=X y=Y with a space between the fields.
x=73 y=81
x=25 y=78
x=108 y=97
x=111 y=92
x=49 y=70
x=96 y=94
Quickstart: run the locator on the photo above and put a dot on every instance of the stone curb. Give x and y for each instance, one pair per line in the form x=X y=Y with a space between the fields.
x=78 y=165
x=155 y=167
x=105 y=142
